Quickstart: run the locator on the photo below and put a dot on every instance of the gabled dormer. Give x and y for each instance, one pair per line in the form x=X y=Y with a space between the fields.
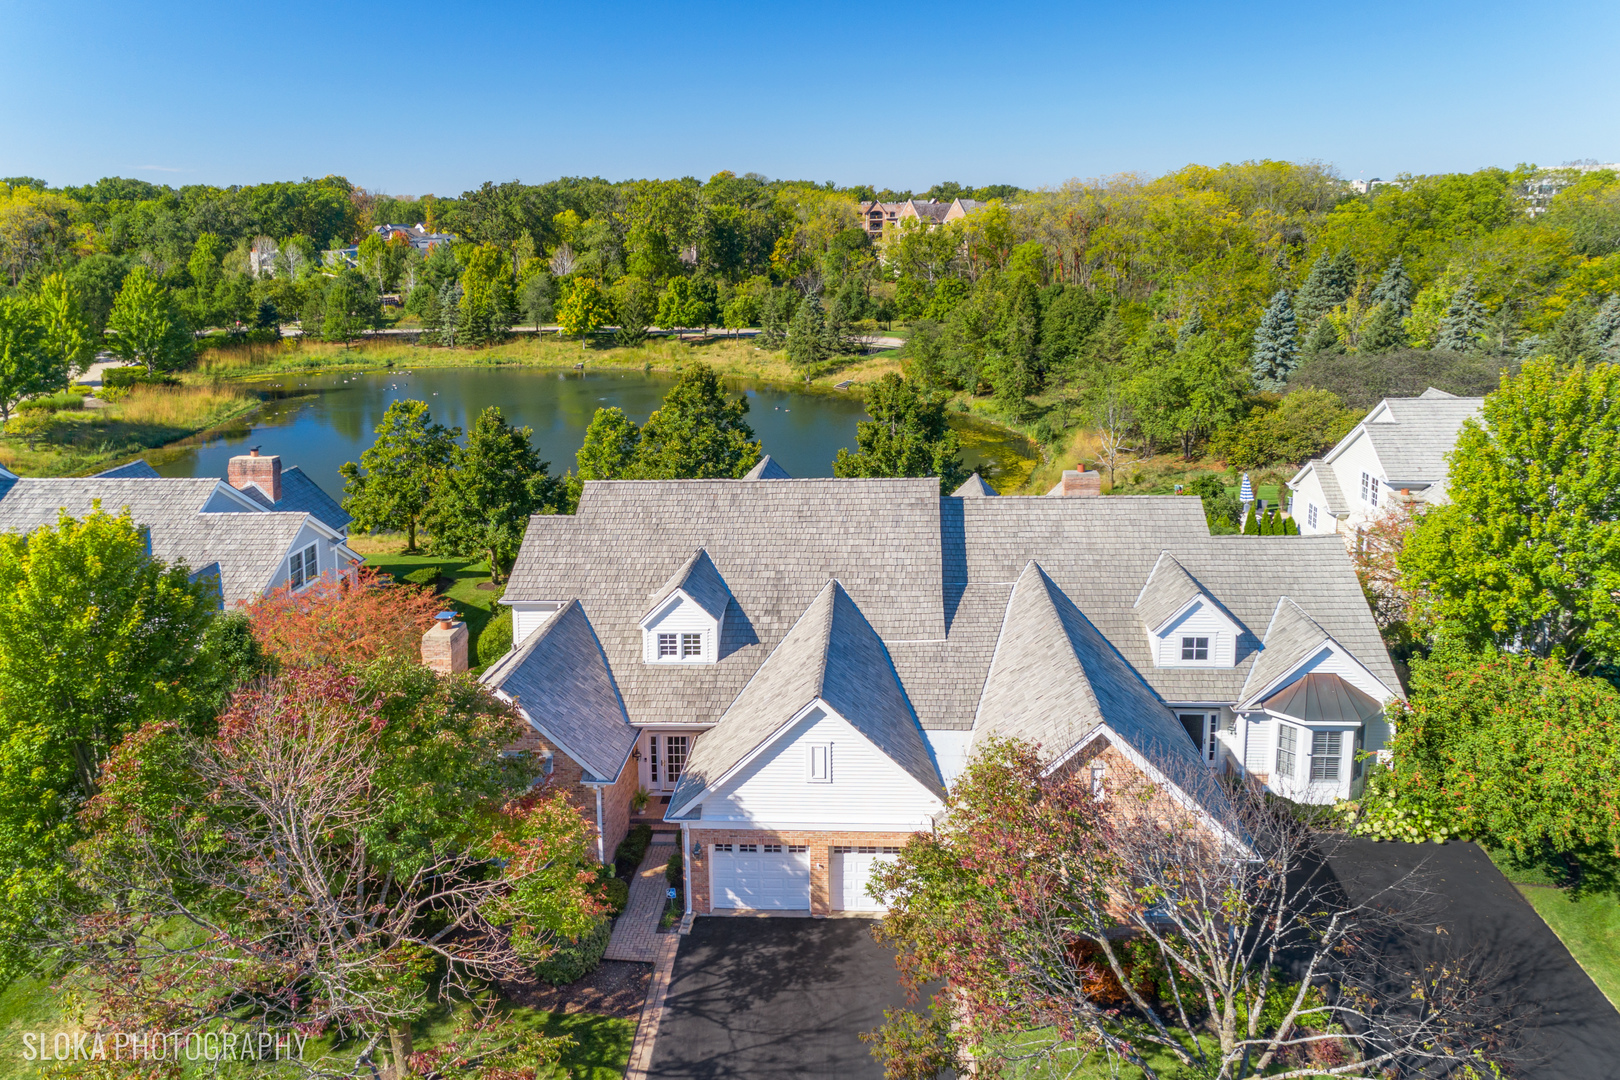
x=684 y=621
x=1185 y=626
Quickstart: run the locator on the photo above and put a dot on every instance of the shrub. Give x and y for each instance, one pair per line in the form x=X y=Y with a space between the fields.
x=616 y=894
x=672 y=872
x=343 y=622
x=576 y=959
x=123 y=378
x=1362 y=381
x=495 y=641
x=631 y=851
x=425 y=575
x=1221 y=509
x=51 y=403
x=1384 y=813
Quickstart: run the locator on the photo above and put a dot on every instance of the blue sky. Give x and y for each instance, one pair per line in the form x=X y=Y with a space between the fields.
x=409 y=97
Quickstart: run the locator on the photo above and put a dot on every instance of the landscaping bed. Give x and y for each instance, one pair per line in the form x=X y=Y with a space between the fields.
x=616 y=988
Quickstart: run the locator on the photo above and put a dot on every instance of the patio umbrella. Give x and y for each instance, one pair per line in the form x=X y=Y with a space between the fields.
x=1246 y=493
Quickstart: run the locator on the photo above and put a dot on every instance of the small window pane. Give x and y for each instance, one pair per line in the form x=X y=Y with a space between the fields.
x=691 y=645
x=666 y=645
x=295 y=572
x=1195 y=648
x=1287 y=748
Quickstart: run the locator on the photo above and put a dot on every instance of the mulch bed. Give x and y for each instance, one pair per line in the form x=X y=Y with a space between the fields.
x=616 y=988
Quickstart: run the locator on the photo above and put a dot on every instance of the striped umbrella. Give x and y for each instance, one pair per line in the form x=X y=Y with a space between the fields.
x=1246 y=493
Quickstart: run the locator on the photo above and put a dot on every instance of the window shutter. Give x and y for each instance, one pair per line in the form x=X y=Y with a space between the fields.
x=820 y=763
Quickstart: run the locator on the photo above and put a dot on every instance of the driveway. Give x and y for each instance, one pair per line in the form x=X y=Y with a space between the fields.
x=775 y=997
x=1574 y=1032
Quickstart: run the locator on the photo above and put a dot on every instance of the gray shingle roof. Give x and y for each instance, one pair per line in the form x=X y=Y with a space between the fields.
x=1169 y=587
x=974 y=487
x=135 y=470
x=767 y=469
x=698 y=579
x=831 y=653
x=1323 y=698
x=559 y=677
x=300 y=494
x=248 y=546
x=1291 y=637
x=1412 y=436
x=1336 y=503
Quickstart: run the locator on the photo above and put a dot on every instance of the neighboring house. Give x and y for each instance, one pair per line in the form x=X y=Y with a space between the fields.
x=876 y=215
x=416 y=235
x=259 y=529
x=796 y=670
x=1398 y=452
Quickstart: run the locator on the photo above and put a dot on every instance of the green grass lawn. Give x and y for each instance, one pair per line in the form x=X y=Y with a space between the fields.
x=477 y=606
x=1589 y=927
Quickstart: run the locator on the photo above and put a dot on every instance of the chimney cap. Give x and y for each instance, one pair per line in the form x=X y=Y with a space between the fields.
x=445 y=616
x=253 y=451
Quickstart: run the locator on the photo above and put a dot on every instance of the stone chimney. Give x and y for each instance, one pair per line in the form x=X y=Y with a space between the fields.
x=444 y=646
x=250 y=468
x=1078 y=484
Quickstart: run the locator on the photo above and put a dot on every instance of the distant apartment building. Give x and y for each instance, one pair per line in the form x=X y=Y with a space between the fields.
x=931 y=211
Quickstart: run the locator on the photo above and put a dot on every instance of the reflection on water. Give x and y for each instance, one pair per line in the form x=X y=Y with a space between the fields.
x=327 y=419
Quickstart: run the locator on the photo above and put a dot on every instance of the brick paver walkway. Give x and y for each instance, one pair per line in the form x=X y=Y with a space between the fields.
x=635 y=934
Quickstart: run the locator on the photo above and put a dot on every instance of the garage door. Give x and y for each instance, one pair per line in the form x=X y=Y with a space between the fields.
x=851 y=870
x=761 y=876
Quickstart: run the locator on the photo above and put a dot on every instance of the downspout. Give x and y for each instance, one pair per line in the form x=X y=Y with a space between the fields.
x=600 y=856
x=686 y=866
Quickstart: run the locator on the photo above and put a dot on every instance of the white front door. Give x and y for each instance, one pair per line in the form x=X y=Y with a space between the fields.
x=1201 y=729
x=666 y=757
x=849 y=873
x=761 y=876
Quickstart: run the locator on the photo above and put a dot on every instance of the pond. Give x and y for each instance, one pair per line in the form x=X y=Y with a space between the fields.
x=327 y=419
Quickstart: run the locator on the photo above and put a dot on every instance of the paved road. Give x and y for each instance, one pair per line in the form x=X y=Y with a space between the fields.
x=777 y=997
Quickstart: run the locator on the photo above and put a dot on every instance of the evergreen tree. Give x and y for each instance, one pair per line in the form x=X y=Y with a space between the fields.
x=1383 y=331
x=807 y=335
x=446 y=327
x=1251 y=525
x=636 y=311
x=1276 y=349
x=776 y=316
x=1324 y=338
x=1463 y=321
x=1329 y=284
x=499 y=481
x=1395 y=289
x=908 y=435
x=697 y=433
x=1603 y=332
x=1191 y=327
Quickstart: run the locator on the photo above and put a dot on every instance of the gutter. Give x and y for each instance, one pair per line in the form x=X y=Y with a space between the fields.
x=686 y=867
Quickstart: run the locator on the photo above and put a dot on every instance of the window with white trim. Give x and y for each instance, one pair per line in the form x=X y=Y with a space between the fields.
x=1310 y=514
x=667 y=648
x=691 y=646
x=1326 y=753
x=303 y=567
x=1369 y=489
x=1195 y=648
x=1287 y=749
x=1099 y=776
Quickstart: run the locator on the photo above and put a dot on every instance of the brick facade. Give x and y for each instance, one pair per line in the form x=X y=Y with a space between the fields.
x=820 y=844
x=566 y=776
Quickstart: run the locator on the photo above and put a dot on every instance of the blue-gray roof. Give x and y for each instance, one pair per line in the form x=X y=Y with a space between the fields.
x=300 y=494
x=697 y=578
x=135 y=470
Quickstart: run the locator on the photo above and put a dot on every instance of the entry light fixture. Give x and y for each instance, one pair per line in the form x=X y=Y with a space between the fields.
x=697 y=850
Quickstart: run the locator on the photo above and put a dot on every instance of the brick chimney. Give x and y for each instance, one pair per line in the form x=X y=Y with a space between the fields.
x=250 y=468
x=444 y=646
x=1078 y=484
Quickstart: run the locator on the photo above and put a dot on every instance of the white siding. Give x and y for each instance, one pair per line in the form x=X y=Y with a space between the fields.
x=326 y=554
x=1359 y=457
x=1200 y=620
x=1260 y=755
x=681 y=616
x=527 y=618
x=867 y=787
x=1307 y=494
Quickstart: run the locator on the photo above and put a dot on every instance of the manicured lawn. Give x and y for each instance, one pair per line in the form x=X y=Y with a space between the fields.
x=477 y=606
x=1589 y=927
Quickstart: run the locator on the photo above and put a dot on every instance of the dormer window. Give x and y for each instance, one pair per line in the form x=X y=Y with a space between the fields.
x=687 y=615
x=687 y=647
x=1195 y=648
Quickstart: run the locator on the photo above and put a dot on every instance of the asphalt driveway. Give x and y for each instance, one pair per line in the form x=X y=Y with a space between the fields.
x=1573 y=1032
x=775 y=997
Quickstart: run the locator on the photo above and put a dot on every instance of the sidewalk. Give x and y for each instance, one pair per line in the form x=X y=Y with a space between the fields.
x=635 y=934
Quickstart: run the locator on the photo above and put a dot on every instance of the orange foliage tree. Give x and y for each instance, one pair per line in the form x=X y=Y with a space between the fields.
x=342 y=621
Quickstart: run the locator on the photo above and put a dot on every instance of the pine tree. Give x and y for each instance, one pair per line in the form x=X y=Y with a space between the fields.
x=1383 y=331
x=807 y=335
x=1603 y=333
x=1251 y=526
x=1395 y=289
x=1276 y=348
x=1463 y=321
x=1324 y=338
x=1191 y=327
x=1329 y=284
x=446 y=328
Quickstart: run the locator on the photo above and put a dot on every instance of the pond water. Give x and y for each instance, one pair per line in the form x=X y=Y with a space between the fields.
x=327 y=419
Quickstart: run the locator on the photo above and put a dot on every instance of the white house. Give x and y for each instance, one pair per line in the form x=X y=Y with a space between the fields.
x=1398 y=451
x=258 y=529
x=796 y=670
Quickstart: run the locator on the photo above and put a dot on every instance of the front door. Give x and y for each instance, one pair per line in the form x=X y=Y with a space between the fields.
x=1201 y=729
x=666 y=757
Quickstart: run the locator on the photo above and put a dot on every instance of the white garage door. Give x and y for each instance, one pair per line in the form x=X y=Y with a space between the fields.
x=850 y=872
x=761 y=876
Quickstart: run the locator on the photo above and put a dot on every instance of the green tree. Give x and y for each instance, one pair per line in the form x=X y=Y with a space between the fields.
x=609 y=449
x=1526 y=554
x=403 y=468
x=24 y=363
x=97 y=279
x=1276 y=345
x=488 y=305
x=499 y=482
x=807 y=334
x=686 y=303
x=741 y=312
x=65 y=334
x=1383 y=331
x=1395 y=289
x=584 y=308
x=1463 y=321
x=145 y=328
x=776 y=316
x=1331 y=281
x=697 y=433
x=535 y=299
x=96 y=638
x=907 y=436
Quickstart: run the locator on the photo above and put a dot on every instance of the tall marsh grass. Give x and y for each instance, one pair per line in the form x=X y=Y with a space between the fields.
x=179 y=406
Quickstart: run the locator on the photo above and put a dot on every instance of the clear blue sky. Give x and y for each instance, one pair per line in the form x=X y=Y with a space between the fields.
x=409 y=97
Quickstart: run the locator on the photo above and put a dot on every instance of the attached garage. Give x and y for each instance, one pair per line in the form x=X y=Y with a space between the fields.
x=851 y=870
x=768 y=876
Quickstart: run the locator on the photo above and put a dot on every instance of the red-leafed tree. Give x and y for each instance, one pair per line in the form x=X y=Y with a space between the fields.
x=349 y=620
x=347 y=849
x=1068 y=922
